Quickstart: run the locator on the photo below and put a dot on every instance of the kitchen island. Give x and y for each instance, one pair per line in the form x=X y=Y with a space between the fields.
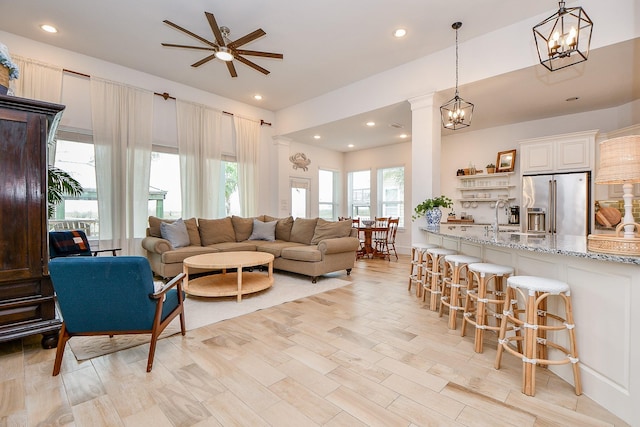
x=605 y=289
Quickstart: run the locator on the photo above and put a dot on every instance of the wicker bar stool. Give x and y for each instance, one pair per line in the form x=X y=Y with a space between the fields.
x=419 y=261
x=452 y=292
x=435 y=275
x=535 y=291
x=486 y=300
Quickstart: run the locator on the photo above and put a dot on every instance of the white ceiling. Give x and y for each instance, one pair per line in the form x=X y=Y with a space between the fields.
x=130 y=33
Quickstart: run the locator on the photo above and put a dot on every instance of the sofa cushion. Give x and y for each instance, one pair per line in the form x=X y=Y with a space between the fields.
x=214 y=231
x=302 y=230
x=191 y=224
x=274 y=248
x=247 y=245
x=243 y=227
x=175 y=232
x=283 y=227
x=178 y=255
x=263 y=230
x=302 y=253
x=330 y=230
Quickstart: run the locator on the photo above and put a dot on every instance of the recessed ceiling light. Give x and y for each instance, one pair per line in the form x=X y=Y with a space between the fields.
x=316 y=136
x=350 y=145
x=257 y=97
x=404 y=135
x=573 y=98
x=49 y=28
x=400 y=32
x=371 y=123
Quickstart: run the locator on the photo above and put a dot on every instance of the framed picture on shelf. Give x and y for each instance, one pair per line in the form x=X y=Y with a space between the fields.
x=506 y=161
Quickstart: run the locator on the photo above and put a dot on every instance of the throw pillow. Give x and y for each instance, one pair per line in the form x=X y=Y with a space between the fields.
x=303 y=229
x=214 y=231
x=283 y=227
x=175 y=233
x=243 y=227
x=263 y=230
x=330 y=230
x=192 y=228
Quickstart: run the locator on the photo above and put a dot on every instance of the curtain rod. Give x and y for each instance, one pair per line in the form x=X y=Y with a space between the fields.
x=164 y=95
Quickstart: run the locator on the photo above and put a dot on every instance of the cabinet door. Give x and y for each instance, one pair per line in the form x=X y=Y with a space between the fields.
x=22 y=194
x=574 y=154
x=536 y=157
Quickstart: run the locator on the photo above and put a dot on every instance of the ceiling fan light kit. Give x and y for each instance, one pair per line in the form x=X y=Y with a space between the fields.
x=223 y=48
x=564 y=38
x=456 y=113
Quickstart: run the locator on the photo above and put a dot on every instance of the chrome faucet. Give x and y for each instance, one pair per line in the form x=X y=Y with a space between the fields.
x=495 y=221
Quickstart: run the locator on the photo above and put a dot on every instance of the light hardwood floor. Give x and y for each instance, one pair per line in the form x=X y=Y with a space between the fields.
x=367 y=354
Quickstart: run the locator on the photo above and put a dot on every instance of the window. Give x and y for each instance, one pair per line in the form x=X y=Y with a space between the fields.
x=230 y=182
x=165 y=196
x=391 y=197
x=78 y=160
x=360 y=194
x=327 y=194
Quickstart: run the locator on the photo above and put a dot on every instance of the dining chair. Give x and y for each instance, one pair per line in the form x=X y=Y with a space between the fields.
x=390 y=244
x=380 y=236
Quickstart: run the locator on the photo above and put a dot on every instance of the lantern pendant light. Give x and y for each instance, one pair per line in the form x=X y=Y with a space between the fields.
x=563 y=39
x=456 y=113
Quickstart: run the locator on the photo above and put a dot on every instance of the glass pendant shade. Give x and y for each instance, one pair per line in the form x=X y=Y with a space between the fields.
x=564 y=38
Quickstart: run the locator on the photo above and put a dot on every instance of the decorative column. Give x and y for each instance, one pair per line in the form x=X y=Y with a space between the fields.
x=425 y=155
x=282 y=165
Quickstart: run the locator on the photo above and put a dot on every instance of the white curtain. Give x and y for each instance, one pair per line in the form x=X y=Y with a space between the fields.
x=38 y=81
x=247 y=149
x=122 y=127
x=200 y=150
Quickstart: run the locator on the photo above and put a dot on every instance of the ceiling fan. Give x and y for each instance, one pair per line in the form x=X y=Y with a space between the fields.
x=223 y=48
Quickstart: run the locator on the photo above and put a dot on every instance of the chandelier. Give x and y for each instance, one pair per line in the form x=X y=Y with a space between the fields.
x=456 y=113
x=563 y=39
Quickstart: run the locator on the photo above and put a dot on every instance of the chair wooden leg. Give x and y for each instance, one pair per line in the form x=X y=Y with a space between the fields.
x=152 y=349
x=63 y=337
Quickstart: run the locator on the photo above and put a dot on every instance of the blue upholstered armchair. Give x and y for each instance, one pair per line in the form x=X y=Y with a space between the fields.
x=110 y=296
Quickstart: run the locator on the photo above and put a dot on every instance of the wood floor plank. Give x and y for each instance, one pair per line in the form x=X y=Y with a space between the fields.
x=306 y=401
x=364 y=409
x=82 y=385
x=98 y=412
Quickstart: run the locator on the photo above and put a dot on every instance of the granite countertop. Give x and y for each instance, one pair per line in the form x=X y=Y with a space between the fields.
x=564 y=245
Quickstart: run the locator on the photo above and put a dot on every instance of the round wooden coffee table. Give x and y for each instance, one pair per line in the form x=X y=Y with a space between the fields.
x=227 y=284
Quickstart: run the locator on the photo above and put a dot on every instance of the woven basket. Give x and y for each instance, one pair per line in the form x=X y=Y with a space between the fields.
x=4 y=76
x=615 y=243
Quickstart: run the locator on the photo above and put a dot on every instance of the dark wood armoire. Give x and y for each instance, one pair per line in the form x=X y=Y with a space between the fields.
x=27 y=302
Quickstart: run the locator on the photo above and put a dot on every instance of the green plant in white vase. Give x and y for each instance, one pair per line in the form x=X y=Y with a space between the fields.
x=430 y=209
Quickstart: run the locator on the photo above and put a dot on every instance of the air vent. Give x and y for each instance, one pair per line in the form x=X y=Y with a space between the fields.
x=396 y=125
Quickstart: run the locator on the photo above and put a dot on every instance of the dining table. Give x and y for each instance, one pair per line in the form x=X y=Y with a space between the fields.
x=368 y=249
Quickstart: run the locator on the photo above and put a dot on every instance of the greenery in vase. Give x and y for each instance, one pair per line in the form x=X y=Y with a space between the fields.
x=491 y=165
x=421 y=209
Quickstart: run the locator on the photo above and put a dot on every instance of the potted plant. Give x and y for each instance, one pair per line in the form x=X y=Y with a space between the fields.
x=430 y=209
x=491 y=168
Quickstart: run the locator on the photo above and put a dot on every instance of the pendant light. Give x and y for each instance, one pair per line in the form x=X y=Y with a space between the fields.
x=456 y=113
x=563 y=39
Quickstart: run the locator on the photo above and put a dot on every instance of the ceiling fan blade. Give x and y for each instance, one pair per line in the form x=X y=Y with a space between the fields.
x=204 y=60
x=232 y=69
x=188 y=47
x=184 y=30
x=257 y=53
x=215 y=28
x=248 y=38
x=253 y=65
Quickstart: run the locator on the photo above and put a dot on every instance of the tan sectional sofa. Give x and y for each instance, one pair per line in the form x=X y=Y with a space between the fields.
x=312 y=247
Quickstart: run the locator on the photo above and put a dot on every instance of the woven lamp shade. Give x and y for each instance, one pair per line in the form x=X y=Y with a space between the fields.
x=619 y=160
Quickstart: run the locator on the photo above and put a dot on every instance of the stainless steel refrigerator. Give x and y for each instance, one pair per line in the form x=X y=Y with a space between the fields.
x=557 y=204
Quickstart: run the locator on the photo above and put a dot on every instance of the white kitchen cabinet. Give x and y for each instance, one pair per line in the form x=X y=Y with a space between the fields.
x=558 y=153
